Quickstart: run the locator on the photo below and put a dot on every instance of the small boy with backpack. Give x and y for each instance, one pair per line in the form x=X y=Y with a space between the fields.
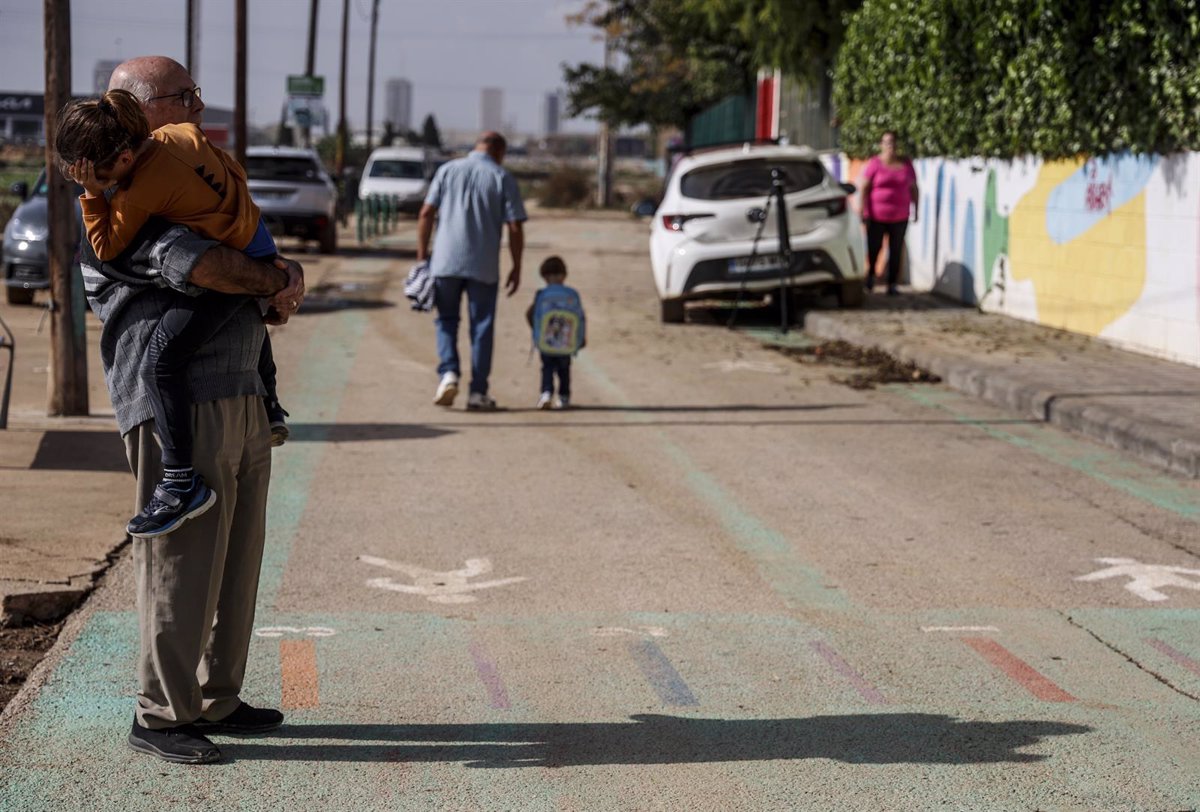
x=559 y=331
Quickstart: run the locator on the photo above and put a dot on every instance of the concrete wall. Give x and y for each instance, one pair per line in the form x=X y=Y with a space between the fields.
x=1107 y=247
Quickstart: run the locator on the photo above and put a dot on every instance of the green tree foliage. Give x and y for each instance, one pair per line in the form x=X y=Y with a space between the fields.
x=801 y=37
x=431 y=136
x=1003 y=78
x=672 y=62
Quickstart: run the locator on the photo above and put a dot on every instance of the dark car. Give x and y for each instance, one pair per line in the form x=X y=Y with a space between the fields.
x=25 y=239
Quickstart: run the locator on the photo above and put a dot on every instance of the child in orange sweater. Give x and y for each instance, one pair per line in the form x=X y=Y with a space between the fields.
x=176 y=174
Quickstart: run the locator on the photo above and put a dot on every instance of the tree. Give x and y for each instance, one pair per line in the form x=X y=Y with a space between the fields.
x=800 y=37
x=430 y=135
x=389 y=135
x=672 y=63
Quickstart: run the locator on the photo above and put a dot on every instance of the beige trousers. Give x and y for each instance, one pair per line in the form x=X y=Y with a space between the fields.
x=196 y=587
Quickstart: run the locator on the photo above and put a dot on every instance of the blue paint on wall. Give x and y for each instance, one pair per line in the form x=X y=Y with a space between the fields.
x=1094 y=191
x=969 y=259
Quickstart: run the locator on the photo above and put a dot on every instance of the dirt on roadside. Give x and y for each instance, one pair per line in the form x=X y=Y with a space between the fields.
x=21 y=649
x=874 y=366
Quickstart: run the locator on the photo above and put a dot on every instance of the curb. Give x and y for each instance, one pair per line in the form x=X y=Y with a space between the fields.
x=1156 y=443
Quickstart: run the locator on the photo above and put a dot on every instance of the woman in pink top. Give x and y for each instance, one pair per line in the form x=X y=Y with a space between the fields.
x=889 y=194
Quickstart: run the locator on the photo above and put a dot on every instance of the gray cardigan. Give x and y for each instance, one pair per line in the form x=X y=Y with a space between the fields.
x=130 y=294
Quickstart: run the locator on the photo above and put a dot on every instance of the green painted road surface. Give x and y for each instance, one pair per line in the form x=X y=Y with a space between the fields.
x=723 y=582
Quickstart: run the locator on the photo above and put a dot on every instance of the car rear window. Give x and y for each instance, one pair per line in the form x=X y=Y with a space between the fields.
x=749 y=178
x=391 y=168
x=270 y=167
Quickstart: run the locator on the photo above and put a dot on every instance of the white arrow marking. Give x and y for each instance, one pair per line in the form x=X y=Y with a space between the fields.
x=1146 y=579
x=439 y=587
x=309 y=631
x=742 y=365
x=640 y=631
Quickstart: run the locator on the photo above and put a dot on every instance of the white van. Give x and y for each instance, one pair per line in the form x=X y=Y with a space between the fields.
x=400 y=172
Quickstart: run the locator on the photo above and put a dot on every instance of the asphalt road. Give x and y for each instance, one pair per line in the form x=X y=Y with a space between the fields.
x=724 y=581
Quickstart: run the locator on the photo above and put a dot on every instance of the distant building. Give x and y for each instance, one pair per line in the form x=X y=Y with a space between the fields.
x=552 y=113
x=491 y=109
x=399 y=104
x=22 y=119
x=101 y=74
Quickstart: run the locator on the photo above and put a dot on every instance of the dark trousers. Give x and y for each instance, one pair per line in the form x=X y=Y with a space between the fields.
x=559 y=365
x=895 y=236
x=190 y=323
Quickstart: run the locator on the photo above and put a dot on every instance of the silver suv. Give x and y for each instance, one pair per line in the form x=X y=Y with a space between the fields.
x=296 y=195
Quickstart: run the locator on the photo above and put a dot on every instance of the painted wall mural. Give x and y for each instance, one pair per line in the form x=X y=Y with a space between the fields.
x=1108 y=247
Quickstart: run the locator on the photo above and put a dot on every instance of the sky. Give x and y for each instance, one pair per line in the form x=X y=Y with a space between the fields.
x=448 y=49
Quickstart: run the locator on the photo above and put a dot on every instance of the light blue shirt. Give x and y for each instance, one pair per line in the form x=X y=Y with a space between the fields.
x=474 y=197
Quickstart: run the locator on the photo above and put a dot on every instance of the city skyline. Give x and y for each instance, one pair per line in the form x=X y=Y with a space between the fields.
x=435 y=48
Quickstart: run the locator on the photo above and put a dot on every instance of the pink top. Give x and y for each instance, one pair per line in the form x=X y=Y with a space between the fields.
x=890 y=195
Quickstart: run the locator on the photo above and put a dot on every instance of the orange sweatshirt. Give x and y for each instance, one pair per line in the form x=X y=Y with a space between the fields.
x=180 y=177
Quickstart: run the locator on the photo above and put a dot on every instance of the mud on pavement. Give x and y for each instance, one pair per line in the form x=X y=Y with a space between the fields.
x=873 y=366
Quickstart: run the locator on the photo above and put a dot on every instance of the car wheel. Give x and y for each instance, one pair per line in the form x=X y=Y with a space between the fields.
x=19 y=296
x=852 y=293
x=328 y=238
x=672 y=311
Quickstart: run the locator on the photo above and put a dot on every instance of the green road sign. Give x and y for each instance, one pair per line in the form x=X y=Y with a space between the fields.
x=306 y=85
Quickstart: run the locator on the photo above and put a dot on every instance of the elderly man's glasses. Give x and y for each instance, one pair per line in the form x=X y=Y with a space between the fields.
x=186 y=97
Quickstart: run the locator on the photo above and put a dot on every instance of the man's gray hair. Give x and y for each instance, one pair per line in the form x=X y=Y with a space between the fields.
x=126 y=80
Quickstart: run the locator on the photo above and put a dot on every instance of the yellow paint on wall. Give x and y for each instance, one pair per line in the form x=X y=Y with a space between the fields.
x=1090 y=282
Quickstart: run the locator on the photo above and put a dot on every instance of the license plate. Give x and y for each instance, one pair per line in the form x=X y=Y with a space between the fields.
x=769 y=262
x=271 y=195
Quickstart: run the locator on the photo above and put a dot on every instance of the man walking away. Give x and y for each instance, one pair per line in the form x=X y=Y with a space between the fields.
x=472 y=198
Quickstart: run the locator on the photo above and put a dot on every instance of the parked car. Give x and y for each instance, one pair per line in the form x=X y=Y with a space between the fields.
x=295 y=193
x=24 y=256
x=400 y=172
x=702 y=238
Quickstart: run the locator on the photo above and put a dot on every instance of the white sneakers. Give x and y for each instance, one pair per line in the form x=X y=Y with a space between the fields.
x=480 y=403
x=447 y=390
x=548 y=401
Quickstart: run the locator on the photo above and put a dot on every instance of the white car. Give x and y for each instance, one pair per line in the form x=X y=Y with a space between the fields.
x=295 y=193
x=702 y=238
x=401 y=173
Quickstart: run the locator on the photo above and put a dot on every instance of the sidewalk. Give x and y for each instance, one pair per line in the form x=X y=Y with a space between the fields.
x=1138 y=404
x=64 y=483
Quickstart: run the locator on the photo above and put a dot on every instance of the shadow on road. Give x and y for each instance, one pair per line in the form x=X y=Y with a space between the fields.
x=361 y=432
x=883 y=738
x=80 y=451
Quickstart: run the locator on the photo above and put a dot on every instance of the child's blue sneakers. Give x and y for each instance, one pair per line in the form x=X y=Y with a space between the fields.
x=173 y=504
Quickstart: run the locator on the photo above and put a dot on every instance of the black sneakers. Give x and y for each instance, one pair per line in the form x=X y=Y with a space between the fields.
x=275 y=416
x=245 y=720
x=183 y=744
x=173 y=504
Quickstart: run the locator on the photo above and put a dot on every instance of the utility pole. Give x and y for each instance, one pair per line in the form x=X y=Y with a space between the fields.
x=339 y=160
x=604 y=167
x=192 y=46
x=310 y=60
x=67 y=387
x=239 y=82
x=371 y=73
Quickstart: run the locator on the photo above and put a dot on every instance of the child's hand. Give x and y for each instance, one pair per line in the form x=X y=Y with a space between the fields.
x=83 y=172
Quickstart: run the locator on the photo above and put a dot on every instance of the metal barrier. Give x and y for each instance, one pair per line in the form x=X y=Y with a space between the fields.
x=7 y=342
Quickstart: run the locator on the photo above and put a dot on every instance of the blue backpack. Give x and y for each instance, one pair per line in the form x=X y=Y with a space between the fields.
x=559 y=326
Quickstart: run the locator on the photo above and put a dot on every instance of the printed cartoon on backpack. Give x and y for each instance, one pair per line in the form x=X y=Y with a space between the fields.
x=558 y=321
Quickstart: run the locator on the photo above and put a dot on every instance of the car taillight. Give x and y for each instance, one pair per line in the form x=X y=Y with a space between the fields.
x=832 y=207
x=674 y=222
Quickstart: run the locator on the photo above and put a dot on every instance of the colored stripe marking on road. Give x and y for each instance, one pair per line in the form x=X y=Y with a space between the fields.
x=865 y=689
x=1018 y=670
x=1175 y=654
x=661 y=675
x=489 y=675
x=298 y=661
